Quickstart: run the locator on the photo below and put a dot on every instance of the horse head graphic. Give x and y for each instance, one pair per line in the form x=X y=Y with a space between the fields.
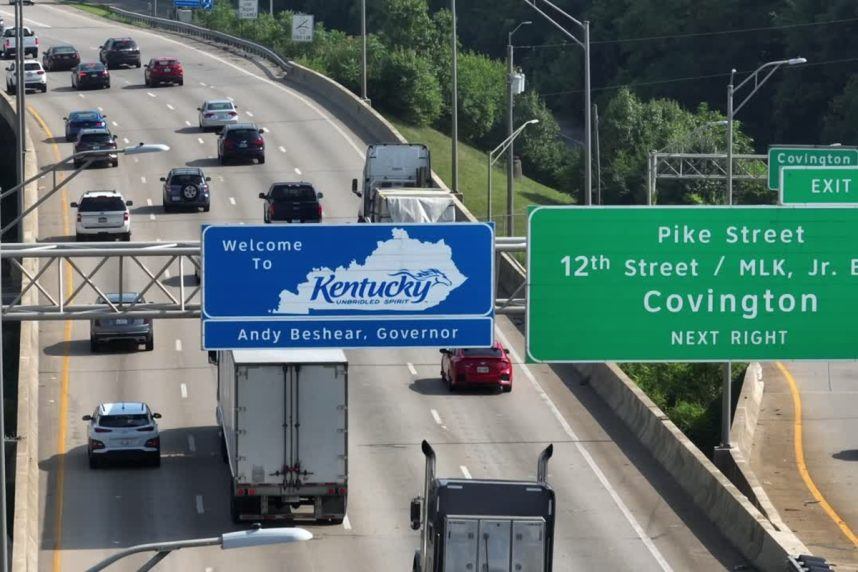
x=432 y=275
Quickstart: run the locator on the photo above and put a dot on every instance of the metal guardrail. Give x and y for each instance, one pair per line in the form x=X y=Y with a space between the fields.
x=204 y=33
x=156 y=270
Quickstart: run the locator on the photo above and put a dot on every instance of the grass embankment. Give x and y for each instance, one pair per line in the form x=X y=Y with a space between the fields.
x=473 y=179
x=91 y=8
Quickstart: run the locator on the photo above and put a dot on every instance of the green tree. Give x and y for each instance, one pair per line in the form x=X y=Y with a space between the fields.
x=840 y=125
x=411 y=90
x=404 y=24
x=482 y=86
x=544 y=155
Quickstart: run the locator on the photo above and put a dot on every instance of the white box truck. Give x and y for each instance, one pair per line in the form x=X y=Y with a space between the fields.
x=392 y=166
x=283 y=417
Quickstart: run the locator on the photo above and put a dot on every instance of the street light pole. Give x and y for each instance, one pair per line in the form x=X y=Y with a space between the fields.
x=772 y=67
x=492 y=159
x=585 y=45
x=363 y=50
x=455 y=103
x=509 y=121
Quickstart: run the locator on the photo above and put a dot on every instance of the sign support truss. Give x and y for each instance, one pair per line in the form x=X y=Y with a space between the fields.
x=702 y=166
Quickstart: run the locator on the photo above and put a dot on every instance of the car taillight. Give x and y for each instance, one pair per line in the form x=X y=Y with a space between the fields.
x=78 y=218
x=156 y=442
x=82 y=74
x=208 y=114
x=147 y=429
x=95 y=444
x=125 y=216
x=100 y=124
x=104 y=73
x=102 y=430
x=270 y=211
x=259 y=142
x=37 y=41
x=319 y=210
x=8 y=43
x=232 y=113
x=40 y=72
x=228 y=144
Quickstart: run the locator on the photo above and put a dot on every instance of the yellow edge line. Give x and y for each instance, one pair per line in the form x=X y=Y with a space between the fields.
x=799 y=458
x=64 y=375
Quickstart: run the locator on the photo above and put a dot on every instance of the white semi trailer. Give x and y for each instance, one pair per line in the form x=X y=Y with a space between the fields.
x=283 y=417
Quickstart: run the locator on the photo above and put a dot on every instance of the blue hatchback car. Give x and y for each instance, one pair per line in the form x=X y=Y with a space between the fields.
x=89 y=119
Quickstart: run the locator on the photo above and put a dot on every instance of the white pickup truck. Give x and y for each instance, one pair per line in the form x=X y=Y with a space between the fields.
x=8 y=43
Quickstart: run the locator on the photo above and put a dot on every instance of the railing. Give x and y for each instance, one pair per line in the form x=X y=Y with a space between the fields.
x=167 y=275
x=204 y=33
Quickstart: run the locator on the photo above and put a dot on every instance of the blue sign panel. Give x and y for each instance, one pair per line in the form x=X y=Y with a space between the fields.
x=203 y=4
x=353 y=285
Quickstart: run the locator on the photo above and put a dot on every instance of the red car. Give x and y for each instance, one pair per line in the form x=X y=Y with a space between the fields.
x=163 y=70
x=477 y=367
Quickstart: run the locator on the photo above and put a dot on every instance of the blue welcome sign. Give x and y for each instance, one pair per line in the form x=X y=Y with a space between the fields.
x=352 y=285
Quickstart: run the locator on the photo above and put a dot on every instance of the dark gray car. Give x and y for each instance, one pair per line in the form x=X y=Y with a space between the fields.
x=107 y=330
x=186 y=187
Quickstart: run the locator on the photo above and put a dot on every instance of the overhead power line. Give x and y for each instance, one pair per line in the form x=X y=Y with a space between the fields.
x=686 y=78
x=697 y=34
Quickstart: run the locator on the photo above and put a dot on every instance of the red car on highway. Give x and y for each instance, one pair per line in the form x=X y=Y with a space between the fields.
x=163 y=70
x=477 y=367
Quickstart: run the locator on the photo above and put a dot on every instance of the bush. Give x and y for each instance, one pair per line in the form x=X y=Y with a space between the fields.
x=411 y=89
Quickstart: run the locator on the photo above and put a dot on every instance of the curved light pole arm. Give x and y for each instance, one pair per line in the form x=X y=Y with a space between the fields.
x=758 y=83
x=568 y=34
x=159 y=547
x=37 y=176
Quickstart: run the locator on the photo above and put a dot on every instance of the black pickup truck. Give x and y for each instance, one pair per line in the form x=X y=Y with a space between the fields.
x=292 y=202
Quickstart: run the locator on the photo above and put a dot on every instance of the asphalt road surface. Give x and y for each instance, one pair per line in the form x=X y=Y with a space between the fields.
x=616 y=509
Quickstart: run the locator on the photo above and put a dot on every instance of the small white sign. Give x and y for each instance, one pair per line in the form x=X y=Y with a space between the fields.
x=302 y=28
x=248 y=9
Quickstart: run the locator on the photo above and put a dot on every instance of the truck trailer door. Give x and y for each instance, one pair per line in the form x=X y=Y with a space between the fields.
x=260 y=411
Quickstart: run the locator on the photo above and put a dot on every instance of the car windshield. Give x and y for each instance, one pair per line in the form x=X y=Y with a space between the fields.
x=91 y=67
x=96 y=138
x=482 y=352
x=97 y=204
x=293 y=194
x=64 y=50
x=32 y=66
x=125 y=45
x=133 y=420
x=241 y=133
x=186 y=179
x=10 y=32
x=165 y=62
x=219 y=106
x=83 y=117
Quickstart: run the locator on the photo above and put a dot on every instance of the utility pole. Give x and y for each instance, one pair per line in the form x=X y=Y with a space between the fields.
x=455 y=103
x=598 y=155
x=510 y=157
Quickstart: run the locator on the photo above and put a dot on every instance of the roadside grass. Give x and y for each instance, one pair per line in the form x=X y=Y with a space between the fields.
x=473 y=179
x=91 y=8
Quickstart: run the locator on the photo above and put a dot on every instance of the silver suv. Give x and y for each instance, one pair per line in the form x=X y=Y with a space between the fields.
x=123 y=430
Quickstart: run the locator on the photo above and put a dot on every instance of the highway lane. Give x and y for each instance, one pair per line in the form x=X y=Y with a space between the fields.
x=391 y=407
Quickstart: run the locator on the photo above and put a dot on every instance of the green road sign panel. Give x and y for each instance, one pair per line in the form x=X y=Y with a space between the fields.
x=819 y=185
x=808 y=157
x=692 y=284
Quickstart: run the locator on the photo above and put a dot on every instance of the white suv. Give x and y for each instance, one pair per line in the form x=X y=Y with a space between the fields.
x=102 y=213
x=34 y=77
x=123 y=430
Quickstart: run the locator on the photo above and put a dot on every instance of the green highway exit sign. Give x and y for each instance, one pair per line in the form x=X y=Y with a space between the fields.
x=819 y=185
x=692 y=283
x=780 y=157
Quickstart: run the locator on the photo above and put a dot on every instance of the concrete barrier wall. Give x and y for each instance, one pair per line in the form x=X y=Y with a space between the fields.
x=738 y=519
x=25 y=524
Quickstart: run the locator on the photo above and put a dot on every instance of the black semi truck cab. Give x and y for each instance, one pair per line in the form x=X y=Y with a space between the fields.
x=483 y=525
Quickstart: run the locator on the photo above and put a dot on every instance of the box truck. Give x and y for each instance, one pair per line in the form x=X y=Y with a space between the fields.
x=484 y=524
x=283 y=419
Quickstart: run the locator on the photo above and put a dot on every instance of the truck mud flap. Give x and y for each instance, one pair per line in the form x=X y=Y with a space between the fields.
x=330 y=509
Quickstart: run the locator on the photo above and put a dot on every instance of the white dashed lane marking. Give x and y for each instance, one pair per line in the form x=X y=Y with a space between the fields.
x=80 y=95
x=249 y=114
x=232 y=201
x=200 y=139
x=126 y=141
x=411 y=368
x=170 y=107
x=188 y=123
x=183 y=389
x=178 y=345
x=143 y=180
x=435 y=416
x=115 y=124
x=282 y=149
x=150 y=94
x=148 y=201
x=465 y=471
x=347 y=523
x=297 y=170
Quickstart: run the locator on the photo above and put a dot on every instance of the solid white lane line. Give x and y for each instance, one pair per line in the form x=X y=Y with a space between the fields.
x=465 y=471
x=411 y=368
x=188 y=123
x=150 y=94
x=282 y=149
x=170 y=107
x=192 y=445
x=115 y=124
x=183 y=389
x=347 y=523
x=126 y=141
x=200 y=139
x=231 y=201
x=297 y=170
x=647 y=541
x=435 y=416
x=143 y=180
x=249 y=114
x=199 y=503
x=178 y=345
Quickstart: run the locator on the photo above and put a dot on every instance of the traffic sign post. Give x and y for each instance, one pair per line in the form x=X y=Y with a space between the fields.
x=782 y=156
x=819 y=185
x=692 y=284
x=348 y=286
